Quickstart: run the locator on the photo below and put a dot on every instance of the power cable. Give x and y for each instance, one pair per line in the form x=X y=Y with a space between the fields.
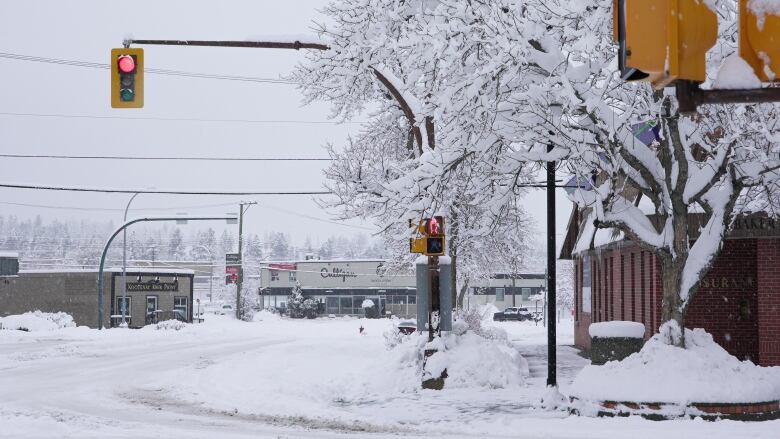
x=215 y=159
x=94 y=65
x=108 y=209
x=180 y=119
x=151 y=191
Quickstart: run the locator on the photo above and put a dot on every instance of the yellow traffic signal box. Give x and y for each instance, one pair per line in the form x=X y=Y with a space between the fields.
x=663 y=40
x=759 y=42
x=432 y=241
x=127 y=78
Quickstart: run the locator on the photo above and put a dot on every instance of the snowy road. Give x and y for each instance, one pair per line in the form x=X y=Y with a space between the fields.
x=278 y=379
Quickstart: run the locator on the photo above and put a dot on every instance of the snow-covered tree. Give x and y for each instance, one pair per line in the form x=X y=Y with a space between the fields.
x=299 y=306
x=419 y=62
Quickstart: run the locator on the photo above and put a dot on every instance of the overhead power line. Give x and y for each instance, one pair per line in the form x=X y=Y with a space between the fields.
x=181 y=119
x=153 y=191
x=108 y=209
x=215 y=159
x=94 y=65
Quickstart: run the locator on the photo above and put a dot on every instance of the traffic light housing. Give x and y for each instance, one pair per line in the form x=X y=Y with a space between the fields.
x=759 y=42
x=127 y=78
x=663 y=40
x=432 y=241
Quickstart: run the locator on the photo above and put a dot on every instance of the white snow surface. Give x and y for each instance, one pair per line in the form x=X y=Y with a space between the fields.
x=37 y=321
x=617 y=328
x=735 y=74
x=367 y=303
x=291 y=378
x=660 y=372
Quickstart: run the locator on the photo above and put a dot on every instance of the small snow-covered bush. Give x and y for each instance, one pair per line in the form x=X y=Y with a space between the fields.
x=37 y=321
x=170 y=325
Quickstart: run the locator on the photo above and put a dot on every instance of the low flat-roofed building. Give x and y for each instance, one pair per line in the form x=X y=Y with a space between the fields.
x=340 y=286
x=152 y=294
x=503 y=291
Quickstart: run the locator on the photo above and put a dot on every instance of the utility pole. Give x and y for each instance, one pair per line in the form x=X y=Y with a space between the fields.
x=240 y=279
x=551 y=336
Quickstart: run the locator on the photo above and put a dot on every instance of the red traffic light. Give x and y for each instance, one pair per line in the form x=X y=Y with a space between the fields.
x=434 y=226
x=126 y=64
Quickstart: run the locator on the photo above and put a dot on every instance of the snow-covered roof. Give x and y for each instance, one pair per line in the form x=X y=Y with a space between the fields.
x=322 y=261
x=8 y=254
x=150 y=270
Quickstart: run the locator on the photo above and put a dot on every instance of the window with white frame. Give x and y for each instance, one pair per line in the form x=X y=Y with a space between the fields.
x=274 y=275
x=180 y=305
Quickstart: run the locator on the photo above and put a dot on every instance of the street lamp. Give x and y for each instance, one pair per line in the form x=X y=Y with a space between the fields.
x=124 y=263
x=121 y=229
x=211 y=268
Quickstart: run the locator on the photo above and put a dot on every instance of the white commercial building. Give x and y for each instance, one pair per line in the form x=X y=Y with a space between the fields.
x=340 y=286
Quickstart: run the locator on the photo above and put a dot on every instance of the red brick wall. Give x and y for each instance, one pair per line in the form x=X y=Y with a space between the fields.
x=768 y=257
x=745 y=277
x=726 y=303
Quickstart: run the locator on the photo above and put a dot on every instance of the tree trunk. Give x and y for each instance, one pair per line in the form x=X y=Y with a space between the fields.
x=462 y=294
x=671 y=306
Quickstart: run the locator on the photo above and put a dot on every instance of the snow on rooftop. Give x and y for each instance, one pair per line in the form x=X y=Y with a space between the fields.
x=151 y=270
x=8 y=254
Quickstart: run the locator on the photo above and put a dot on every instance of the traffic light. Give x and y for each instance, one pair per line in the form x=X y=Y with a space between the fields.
x=759 y=42
x=663 y=40
x=127 y=78
x=432 y=241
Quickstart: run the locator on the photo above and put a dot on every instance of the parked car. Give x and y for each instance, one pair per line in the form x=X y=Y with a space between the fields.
x=226 y=310
x=407 y=327
x=513 y=313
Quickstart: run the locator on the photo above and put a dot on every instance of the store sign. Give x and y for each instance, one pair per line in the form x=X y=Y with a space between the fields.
x=337 y=272
x=153 y=286
x=232 y=259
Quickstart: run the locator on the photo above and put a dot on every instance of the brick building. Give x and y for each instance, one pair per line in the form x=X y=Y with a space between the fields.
x=738 y=301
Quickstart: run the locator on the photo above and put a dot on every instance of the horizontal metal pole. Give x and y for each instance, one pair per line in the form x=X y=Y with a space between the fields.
x=296 y=45
x=751 y=96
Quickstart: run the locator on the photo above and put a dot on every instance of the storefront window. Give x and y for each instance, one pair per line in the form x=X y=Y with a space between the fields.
x=123 y=306
x=346 y=305
x=332 y=305
x=526 y=293
x=500 y=292
x=180 y=306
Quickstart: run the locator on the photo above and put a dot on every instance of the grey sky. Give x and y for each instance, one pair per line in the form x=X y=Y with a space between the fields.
x=86 y=31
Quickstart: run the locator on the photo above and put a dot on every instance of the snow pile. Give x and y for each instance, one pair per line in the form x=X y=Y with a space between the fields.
x=170 y=325
x=660 y=372
x=37 y=321
x=486 y=311
x=367 y=303
x=265 y=315
x=736 y=74
x=617 y=329
x=474 y=361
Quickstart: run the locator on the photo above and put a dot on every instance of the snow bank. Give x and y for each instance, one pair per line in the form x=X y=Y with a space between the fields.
x=37 y=321
x=617 y=329
x=367 y=303
x=169 y=325
x=703 y=372
x=735 y=74
x=473 y=361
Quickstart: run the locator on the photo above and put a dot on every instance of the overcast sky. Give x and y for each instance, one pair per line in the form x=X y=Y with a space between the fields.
x=86 y=31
